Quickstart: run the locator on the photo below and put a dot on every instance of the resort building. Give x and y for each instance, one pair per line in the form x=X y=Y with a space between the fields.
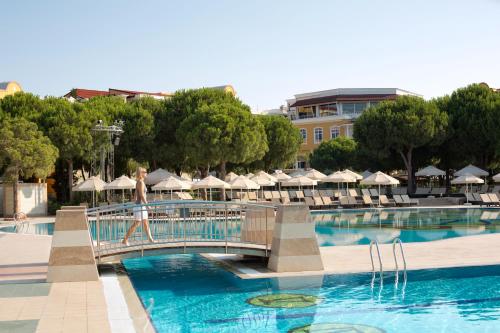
x=79 y=94
x=324 y=115
x=9 y=88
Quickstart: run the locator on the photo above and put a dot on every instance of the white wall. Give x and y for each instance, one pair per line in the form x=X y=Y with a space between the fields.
x=32 y=199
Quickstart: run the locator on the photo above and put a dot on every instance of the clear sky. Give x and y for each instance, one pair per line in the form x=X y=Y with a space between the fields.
x=268 y=50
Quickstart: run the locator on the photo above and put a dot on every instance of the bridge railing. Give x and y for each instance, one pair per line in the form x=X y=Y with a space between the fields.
x=181 y=224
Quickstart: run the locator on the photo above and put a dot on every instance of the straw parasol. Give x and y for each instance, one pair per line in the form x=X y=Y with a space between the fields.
x=314 y=174
x=121 y=183
x=230 y=177
x=93 y=184
x=352 y=173
x=366 y=174
x=471 y=170
x=339 y=177
x=281 y=176
x=300 y=181
x=264 y=174
x=210 y=183
x=243 y=183
x=379 y=178
x=172 y=184
x=430 y=171
x=466 y=180
x=262 y=181
x=298 y=173
x=157 y=176
x=496 y=178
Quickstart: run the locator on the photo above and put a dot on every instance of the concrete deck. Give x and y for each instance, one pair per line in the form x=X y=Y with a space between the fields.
x=475 y=250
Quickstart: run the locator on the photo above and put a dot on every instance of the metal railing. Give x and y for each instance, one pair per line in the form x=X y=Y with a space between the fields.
x=398 y=241
x=181 y=224
x=381 y=270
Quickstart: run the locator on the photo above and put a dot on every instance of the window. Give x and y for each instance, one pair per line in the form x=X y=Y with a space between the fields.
x=326 y=110
x=353 y=109
x=306 y=112
x=334 y=132
x=303 y=132
x=349 y=129
x=318 y=135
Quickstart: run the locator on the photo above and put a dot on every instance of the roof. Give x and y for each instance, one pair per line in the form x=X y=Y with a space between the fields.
x=113 y=91
x=3 y=85
x=347 y=94
x=85 y=93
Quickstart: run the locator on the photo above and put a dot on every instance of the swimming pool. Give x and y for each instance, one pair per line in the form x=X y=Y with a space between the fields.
x=355 y=227
x=187 y=293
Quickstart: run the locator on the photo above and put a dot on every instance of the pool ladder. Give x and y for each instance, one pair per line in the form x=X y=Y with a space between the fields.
x=381 y=269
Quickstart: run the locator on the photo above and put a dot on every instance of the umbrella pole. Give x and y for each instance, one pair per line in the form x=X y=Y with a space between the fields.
x=123 y=195
x=379 y=196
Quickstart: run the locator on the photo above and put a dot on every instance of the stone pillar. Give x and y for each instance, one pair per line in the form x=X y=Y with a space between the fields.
x=258 y=225
x=294 y=247
x=71 y=255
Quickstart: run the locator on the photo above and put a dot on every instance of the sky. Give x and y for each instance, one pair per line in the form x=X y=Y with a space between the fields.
x=268 y=50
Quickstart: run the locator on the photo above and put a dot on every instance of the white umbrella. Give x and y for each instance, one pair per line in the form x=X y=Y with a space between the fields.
x=466 y=180
x=430 y=171
x=281 y=176
x=352 y=173
x=211 y=182
x=314 y=174
x=366 y=174
x=339 y=177
x=264 y=174
x=92 y=184
x=121 y=183
x=496 y=178
x=249 y=175
x=172 y=184
x=157 y=176
x=230 y=177
x=262 y=181
x=472 y=170
x=300 y=181
x=243 y=183
x=379 y=178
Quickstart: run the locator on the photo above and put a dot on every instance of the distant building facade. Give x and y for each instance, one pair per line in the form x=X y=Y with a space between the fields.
x=79 y=94
x=324 y=115
x=9 y=88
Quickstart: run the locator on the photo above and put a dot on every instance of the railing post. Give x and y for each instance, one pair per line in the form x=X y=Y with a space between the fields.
x=225 y=225
x=265 y=211
x=98 y=236
x=184 y=227
x=142 y=231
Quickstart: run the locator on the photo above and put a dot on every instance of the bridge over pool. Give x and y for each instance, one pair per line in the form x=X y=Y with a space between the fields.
x=84 y=238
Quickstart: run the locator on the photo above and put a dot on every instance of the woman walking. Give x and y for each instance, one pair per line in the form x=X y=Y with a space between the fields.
x=141 y=211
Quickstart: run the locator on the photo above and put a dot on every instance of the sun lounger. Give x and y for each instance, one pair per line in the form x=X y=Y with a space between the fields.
x=318 y=202
x=321 y=193
x=268 y=195
x=373 y=192
x=483 y=189
x=300 y=195
x=353 y=201
x=276 y=194
x=285 y=200
x=308 y=193
x=399 y=201
x=327 y=201
x=496 y=189
x=384 y=201
x=292 y=195
x=336 y=194
x=406 y=199
x=352 y=193
x=438 y=191
x=365 y=191
x=309 y=201
x=252 y=196
x=477 y=197
x=343 y=192
x=485 y=199
x=284 y=194
x=344 y=202
x=495 y=199
x=367 y=200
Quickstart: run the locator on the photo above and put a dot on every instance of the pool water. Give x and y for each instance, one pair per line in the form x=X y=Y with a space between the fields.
x=187 y=293
x=355 y=227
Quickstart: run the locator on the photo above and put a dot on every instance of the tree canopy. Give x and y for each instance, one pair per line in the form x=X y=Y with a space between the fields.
x=401 y=126
x=336 y=154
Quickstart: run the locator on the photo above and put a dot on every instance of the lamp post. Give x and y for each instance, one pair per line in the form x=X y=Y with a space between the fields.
x=107 y=149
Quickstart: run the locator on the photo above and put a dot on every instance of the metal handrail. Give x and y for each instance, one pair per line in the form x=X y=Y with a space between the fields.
x=180 y=222
x=398 y=241
x=381 y=272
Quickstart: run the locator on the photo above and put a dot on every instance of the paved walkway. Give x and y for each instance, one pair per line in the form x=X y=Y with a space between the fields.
x=451 y=252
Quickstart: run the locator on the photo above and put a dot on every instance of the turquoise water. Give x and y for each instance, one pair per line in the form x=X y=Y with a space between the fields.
x=354 y=227
x=187 y=293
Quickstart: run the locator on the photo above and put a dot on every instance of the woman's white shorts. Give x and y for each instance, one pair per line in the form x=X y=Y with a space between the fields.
x=140 y=213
